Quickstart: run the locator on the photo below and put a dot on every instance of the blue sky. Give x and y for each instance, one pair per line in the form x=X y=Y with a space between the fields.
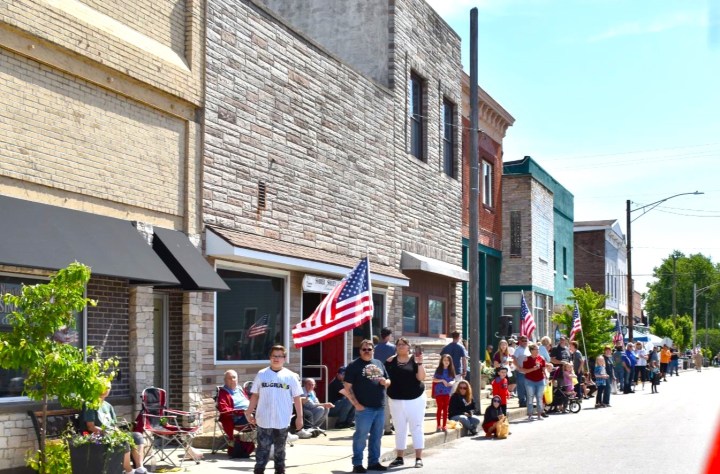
x=617 y=99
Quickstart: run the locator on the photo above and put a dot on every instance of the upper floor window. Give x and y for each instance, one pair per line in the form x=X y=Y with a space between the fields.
x=417 y=117
x=449 y=138
x=487 y=170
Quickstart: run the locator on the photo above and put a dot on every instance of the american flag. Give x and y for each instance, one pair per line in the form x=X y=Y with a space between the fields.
x=618 y=336
x=347 y=306
x=527 y=322
x=259 y=328
x=577 y=325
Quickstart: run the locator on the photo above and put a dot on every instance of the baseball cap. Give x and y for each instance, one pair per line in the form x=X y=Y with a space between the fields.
x=341 y=370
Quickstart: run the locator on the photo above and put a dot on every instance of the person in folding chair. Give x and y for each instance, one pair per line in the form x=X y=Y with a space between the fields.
x=104 y=419
x=232 y=401
x=314 y=412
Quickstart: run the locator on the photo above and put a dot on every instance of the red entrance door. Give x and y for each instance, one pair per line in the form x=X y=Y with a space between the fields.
x=330 y=352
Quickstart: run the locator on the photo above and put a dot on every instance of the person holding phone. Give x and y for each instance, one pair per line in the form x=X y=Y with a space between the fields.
x=407 y=399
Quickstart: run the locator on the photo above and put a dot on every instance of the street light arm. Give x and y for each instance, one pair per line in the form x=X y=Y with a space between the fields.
x=655 y=204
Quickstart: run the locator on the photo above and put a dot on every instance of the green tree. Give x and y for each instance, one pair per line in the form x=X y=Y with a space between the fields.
x=713 y=336
x=596 y=326
x=52 y=368
x=682 y=272
x=679 y=329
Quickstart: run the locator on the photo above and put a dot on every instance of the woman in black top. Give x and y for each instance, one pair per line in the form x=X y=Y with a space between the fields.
x=407 y=399
x=462 y=407
x=492 y=416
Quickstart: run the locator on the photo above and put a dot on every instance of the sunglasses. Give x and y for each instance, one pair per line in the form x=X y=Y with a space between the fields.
x=462 y=388
x=277 y=356
x=366 y=349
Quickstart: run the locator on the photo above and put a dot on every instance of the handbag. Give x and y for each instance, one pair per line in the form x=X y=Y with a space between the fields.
x=548 y=394
x=503 y=427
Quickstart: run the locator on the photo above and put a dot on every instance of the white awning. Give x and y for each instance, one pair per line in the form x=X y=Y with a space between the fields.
x=412 y=261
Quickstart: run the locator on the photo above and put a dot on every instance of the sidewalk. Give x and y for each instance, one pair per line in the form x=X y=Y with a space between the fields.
x=331 y=453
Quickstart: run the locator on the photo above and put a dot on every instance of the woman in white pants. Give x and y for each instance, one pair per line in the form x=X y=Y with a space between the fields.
x=406 y=394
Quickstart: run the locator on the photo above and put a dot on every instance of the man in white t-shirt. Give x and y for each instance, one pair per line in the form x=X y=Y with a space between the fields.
x=641 y=364
x=274 y=392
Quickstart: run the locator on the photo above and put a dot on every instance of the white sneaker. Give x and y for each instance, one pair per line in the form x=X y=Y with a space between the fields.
x=304 y=434
x=141 y=470
x=291 y=438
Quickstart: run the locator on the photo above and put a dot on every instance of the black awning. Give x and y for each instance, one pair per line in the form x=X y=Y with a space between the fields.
x=41 y=236
x=184 y=260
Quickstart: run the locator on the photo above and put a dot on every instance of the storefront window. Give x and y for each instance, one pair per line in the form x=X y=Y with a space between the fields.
x=410 y=314
x=250 y=317
x=11 y=381
x=436 y=316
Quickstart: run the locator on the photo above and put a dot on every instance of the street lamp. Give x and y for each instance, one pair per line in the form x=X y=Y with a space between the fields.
x=697 y=292
x=628 y=211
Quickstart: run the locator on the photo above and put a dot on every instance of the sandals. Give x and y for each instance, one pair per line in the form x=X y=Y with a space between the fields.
x=418 y=463
x=397 y=462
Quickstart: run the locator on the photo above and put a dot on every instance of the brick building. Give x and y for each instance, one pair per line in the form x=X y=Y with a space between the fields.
x=494 y=121
x=537 y=248
x=601 y=262
x=99 y=162
x=325 y=140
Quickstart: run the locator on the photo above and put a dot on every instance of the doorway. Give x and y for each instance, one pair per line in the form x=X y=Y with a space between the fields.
x=160 y=341
x=330 y=352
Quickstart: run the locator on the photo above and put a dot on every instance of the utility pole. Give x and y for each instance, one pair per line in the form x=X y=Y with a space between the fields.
x=706 y=326
x=629 y=273
x=674 y=287
x=473 y=263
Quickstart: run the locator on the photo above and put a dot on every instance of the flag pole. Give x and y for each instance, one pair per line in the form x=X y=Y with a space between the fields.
x=582 y=334
x=367 y=258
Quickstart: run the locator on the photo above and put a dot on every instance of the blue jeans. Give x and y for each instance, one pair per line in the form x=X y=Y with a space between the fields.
x=534 y=390
x=343 y=410
x=606 y=393
x=520 y=379
x=368 y=421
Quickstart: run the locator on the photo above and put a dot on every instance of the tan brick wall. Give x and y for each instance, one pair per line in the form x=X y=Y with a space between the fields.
x=61 y=132
x=157 y=43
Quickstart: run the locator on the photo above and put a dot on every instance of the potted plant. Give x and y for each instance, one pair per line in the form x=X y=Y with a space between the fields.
x=100 y=453
x=54 y=370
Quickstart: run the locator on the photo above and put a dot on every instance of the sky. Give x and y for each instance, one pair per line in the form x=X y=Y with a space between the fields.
x=618 y=100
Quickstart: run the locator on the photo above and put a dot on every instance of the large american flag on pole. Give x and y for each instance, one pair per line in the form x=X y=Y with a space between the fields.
x=618 y=336
x=576 y=323
x=347 y=306
x=527 y=321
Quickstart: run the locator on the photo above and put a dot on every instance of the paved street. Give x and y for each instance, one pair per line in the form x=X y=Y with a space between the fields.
x=665 y=433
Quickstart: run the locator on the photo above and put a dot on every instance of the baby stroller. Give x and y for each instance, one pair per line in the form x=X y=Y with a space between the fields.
x=562 y=400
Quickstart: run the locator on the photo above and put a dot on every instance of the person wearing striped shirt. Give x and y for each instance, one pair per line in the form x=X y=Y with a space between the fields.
x=274 y=392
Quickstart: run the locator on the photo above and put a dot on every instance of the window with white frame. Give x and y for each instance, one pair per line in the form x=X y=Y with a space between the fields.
x=250 y=318
x=487 y=170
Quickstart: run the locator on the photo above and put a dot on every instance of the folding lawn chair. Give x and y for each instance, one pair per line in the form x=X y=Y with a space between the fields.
x=166 y=430
x=243 y=434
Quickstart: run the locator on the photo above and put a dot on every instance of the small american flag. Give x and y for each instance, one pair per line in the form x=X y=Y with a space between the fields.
x=259 y=328
x=347 y=306
x=618 y=336
x=527 y=321
x=577 y=325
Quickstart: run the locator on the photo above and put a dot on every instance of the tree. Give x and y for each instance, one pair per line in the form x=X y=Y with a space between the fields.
x=682 y=272
x=713 y=339
x=679 y=329
x=54 y=369
x=596 y=326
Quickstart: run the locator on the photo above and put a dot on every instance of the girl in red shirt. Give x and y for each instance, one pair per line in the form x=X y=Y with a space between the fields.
x=500 y=387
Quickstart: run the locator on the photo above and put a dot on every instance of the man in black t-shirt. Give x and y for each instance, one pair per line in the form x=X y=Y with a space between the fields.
x=365 y=382
x=560 y=353
x=343 y=409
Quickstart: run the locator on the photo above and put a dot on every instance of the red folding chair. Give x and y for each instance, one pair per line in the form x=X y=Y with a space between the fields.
x=166 y=430
x=232 y=433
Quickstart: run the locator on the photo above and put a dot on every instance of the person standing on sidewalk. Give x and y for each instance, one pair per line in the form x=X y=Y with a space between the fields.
x=274 y=392
x=458 y=353
x=610 y=369
x=443 y=381
x=534 y=367
x=383 y=351
x=407 y=399
x=519 y=356
x=365 y=382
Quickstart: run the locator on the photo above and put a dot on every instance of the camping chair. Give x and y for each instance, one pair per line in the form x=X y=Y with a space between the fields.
x=166 y=430
x=245 y=434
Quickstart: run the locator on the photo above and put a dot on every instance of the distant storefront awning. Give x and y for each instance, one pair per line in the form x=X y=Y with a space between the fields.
x=412 y=261
x=185 y=261
x=49 y=237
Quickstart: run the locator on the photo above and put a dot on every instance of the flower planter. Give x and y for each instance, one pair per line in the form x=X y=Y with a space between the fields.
x=96 y=458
